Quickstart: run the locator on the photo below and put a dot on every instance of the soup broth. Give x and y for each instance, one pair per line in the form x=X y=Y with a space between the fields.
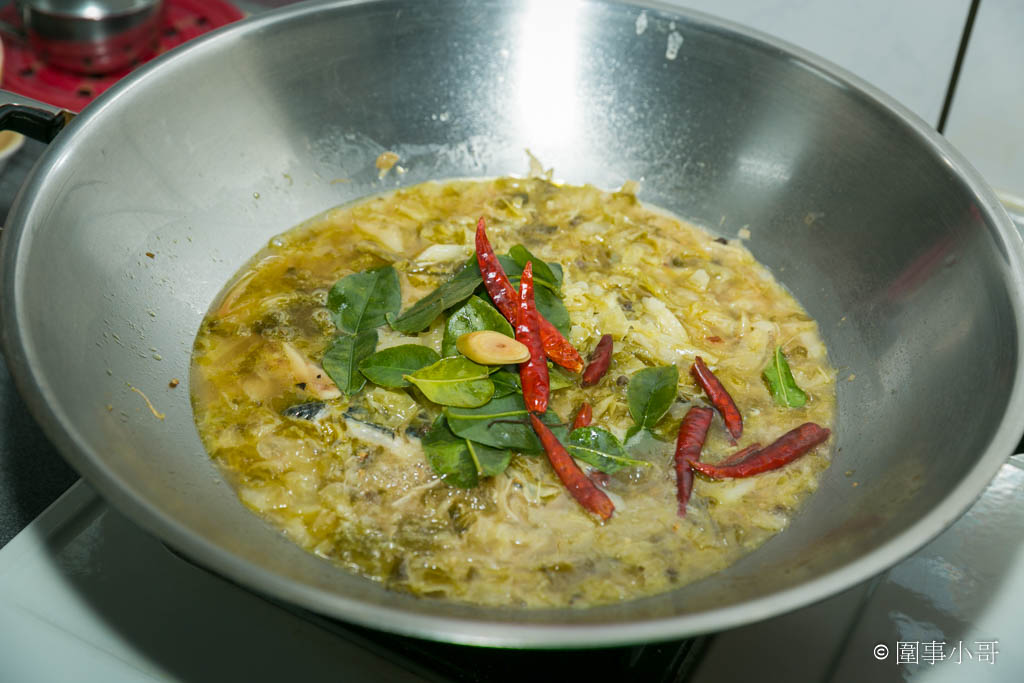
x=346 y=474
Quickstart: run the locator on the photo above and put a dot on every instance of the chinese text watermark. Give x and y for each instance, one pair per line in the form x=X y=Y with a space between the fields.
x=932 y=652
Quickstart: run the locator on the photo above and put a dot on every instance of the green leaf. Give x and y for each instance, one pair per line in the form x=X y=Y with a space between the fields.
x=630 y=433
x=475 y=315
x=448 y=455
x=779 y=379
x=509 y=265
x=458 y=461
x=503 y=423
x=506 y=383
x=455 y=381
x=419 y=316
x=551 y=307
x=515 y=272
x=651 y=393
x=556 y=270
x=549 y=303
x=362 y=301
x=489 y=461
x=600 y=448
x=388 y=367
x=560 y=378
x=341 y=361
x=549 y=272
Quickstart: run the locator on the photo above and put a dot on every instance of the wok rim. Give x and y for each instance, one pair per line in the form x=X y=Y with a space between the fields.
x=44 y=404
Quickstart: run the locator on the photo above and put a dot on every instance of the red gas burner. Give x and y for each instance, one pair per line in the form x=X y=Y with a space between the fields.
x=26 y=74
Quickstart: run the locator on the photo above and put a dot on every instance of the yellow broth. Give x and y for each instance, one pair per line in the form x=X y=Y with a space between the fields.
x=354 y=486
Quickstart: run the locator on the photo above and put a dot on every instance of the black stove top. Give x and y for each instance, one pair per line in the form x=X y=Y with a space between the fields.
x=670 y=662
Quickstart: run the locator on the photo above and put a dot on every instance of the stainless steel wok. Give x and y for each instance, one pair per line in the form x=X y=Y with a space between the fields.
x=878 y=226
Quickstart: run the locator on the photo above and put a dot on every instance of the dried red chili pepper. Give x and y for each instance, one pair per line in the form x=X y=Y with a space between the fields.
x=503 y=294
x=559 y=349
x=740 y=455
x=719 y=397
x=534 y=372
x=782 y=451
x=505 y=298
x=583 y=416
x=600 y=359
x=692 y=432
x=580 y=486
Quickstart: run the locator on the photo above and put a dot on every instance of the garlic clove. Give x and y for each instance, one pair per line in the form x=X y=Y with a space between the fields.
x=491 y=348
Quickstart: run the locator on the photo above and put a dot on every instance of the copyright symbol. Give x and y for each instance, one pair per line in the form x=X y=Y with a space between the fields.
x=881 y=651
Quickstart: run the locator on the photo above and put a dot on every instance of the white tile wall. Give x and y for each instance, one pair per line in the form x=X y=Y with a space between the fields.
x=905 y=47
x=987 y=118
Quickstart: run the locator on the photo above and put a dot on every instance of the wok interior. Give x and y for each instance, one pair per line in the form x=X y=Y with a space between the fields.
x=207 y=154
